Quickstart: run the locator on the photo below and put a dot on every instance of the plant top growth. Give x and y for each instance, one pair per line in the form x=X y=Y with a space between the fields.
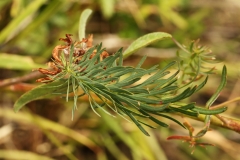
x=80 y=69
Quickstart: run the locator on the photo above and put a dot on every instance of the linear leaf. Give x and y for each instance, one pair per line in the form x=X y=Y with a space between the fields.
x=146 y=124
x=133 y=112
x=178 y=97
x=144 y=41
x=153 y=109
x=153 y=78
x=154 y=119
x=188 y=106
x=194 y=114
x=38 y=93
x=138 y=90
x=220 y=87
x=202 y=84
x=168 y=117
x=160 y=91
x=123 y=84
x=143 y=99
x=82 y=23
x=141 y=61
x=209 y=111
x=137 y=123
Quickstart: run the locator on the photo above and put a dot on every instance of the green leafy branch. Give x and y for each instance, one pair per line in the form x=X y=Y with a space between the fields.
x=124 y=90
x=117 y=88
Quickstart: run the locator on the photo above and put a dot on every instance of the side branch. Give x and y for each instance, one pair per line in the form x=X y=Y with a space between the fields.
x=221 y=121
x=10 y=81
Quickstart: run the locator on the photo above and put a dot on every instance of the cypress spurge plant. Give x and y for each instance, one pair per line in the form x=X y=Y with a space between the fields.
x=81 y=69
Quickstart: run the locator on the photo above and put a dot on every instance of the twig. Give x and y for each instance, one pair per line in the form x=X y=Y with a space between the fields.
x=225 y=103
x=230 y=123
x=10 y=81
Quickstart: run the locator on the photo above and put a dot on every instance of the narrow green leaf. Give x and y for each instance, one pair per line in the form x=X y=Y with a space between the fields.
x=219 y=89
x=120 y=61
x=202 y=84
x=167 y=81
x=112 y=70
x=141 y=61
x=188 y=106
x=153 y=119
x=108 y=80
x=125 y=71
x=191 y=92
x=86 y=56
x=178 y=97
x=109 y=62
x=139 y=73
x=209 y=111
x=170 y=83
x=138 y=90
x=128 y=101
x=82 y=23
x=168 y=66
x=94 y=72
x=119 y=90
x=158 y=122
x=168 y=117
x=38 y=93
x=142 y=99
x=157 y=92
x=164 y=90
x=68 y=86
x=91 y=105
x=146 y=124
x=74 y=87
x=193 y=114
x=91 y=62
x=201 y=133
x=115 y=98
x=153 y=78
x=137 y=104
x=137 y=123
x=144 y=41
x=133 y=112
x=120 y=84
x=98 y=92
x=101 y=107
x=98 y=85
x=153 y=109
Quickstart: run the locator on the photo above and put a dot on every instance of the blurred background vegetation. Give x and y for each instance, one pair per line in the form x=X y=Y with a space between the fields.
x=30 y=29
